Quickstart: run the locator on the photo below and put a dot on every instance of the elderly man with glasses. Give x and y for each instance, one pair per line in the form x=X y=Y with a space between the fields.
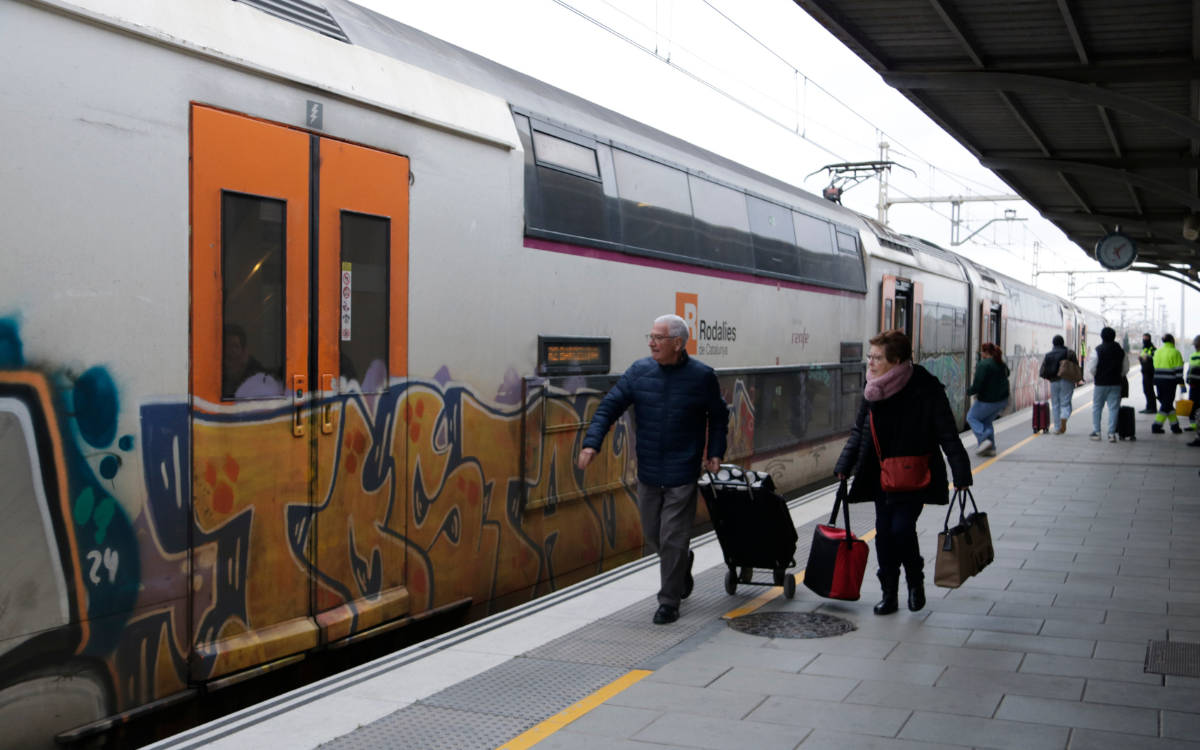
x=682 y=422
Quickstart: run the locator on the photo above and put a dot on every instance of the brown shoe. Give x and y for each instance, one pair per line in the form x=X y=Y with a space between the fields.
x=1062 y=426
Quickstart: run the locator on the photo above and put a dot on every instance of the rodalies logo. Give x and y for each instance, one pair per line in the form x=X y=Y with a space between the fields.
x=701 y=333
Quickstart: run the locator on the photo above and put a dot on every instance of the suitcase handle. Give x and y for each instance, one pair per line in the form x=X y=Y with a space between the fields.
x=842 y=501
x=712 y=479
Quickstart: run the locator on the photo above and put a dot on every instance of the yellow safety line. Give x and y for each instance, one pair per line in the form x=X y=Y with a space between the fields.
x=573 y=712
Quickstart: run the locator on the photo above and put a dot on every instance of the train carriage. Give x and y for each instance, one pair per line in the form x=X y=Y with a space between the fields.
x=305 y=318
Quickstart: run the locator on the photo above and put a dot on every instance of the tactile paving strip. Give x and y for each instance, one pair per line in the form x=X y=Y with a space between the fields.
x=432 y=728
x=525 y=688
x=1173 y=658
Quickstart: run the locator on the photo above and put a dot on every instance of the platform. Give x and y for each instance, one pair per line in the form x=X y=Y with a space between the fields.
x=1097 y=553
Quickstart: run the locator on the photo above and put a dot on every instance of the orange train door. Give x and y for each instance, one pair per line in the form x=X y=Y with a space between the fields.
x=887 y=304
x=362 y=359
x=287 y=529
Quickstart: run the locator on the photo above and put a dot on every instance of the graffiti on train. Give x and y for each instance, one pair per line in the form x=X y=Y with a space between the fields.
x=417 y=502
x=950 y=369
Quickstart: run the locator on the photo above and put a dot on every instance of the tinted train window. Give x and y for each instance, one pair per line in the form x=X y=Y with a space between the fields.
x=822 y=394
x=563 y=153
x=847 y=243
x=776 y=409
x=722 y=224
x=774 y=237
x=366 y=249
x=818 y=256
x=929 y=330
x=252 y=287
x=656 y=205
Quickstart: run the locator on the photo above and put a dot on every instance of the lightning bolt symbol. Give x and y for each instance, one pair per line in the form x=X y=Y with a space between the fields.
x=312 y=116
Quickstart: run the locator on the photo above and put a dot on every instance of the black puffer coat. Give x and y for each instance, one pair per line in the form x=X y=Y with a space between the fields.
x=677 y=409
x=917 y=421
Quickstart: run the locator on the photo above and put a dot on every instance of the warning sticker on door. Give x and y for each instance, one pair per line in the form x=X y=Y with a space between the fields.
x=346 y=301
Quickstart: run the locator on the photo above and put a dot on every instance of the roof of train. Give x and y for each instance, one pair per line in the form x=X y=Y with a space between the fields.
x=387 y=36
x=379 y=33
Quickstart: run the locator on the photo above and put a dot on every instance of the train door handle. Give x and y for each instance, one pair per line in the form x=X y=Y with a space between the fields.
x=299 y=387
x=328 y=386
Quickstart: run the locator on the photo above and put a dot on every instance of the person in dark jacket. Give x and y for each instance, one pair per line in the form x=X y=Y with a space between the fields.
x=1107 y=365
x=906 y=411
x=1061 y=389
x=678 y=409
x=1147 y=360
x=990 y=389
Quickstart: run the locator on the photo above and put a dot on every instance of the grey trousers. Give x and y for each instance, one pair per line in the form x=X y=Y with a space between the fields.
x=667 y=517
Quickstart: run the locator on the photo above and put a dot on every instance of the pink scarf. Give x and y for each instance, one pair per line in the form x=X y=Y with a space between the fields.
x=889 y=383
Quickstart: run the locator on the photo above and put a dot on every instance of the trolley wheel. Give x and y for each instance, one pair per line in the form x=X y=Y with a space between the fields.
x=747 y=574
x=789 y=586
x=730 y=582
x=779 y=575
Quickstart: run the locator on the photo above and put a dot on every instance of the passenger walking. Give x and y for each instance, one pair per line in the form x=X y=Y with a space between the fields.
x=678 y=409
x=1062 y=389
x=1194 y=386
x=1168 y=375
x=1147 y=360
x=904 y=415
x=990 y=389
x=1108 y=365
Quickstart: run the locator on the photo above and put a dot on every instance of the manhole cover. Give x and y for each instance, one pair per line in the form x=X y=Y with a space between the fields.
x=791 y=625
x=1173 y=658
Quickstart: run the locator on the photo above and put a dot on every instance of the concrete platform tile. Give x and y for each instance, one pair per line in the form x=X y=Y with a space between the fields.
x=1034 y=644
x=1101 y=669
x=1063 y=566
x=1145 y=696
x=695 y=673
x=1191 y=683
x=1121 y=651
x=565 y=739
x=711 y=733
x=850 y=643
x=1012 y=683
x=1075 y=714
x=971 y=591
x=983 y=733
x=1181 y=726
x=911 y=673
x=914 y=632
x=1092 y=739
x=521 y=636
x=959 y=605
x=825 y=739
x=662 y=696
x=719 y=654
x=427 y=676
x=846 y=717
x=1042 y=587
x=960 y=701
x=762 y=681
x=1186 y=636
x=614 y=721
x=1069 y=614
x=1104 y=632
x=1024 y=625
x=1111 y=603
x=948 y=656
x=1142 y=582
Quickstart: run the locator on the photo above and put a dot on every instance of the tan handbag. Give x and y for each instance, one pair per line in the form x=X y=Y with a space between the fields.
x=1070 y=371
x=966 y=549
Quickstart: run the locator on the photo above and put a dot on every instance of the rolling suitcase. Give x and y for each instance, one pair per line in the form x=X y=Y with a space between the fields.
x=753 y=526
x=1041 y=416
x=1127 y=423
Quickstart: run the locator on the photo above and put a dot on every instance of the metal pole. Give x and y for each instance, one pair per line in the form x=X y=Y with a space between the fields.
x=883 y=184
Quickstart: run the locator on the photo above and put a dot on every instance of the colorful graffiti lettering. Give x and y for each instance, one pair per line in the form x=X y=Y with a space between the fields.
x=950 y=369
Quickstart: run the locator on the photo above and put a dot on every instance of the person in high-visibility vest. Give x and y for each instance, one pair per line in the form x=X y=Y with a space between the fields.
x=1146 y=357
x=1168 y=375
x=1194 y=385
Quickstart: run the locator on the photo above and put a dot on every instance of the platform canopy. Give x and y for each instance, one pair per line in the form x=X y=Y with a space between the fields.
x=1086 y=108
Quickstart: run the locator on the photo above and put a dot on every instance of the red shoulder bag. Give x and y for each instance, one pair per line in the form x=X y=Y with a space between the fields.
x=901 y=473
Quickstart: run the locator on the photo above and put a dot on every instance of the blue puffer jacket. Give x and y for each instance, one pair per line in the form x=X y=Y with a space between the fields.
x=675 y=408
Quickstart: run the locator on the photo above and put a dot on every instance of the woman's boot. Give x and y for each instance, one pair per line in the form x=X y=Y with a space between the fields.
x=916 y=594
x=891 y=585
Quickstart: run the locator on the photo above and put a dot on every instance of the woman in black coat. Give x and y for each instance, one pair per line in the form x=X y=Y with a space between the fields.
x=911 y=417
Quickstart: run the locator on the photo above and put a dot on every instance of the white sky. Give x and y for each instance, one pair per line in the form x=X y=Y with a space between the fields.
x=548 y=41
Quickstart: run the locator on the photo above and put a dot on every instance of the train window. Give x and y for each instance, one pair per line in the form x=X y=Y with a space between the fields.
x=565 y=154
x=252 y=293
x=774 y=237
x=959 y=343
x=945 y=328
x=656 y=205
x=366 y=270
x=929 y=330
x=818 y=254
x=822 y=389
x=847 y=243
x=776 y=409
x=722 y=224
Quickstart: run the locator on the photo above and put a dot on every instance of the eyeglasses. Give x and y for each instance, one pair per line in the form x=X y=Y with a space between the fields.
x=875 y=358
x=659 y=337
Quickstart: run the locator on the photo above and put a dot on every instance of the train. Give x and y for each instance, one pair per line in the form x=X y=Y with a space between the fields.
x=303 y=314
